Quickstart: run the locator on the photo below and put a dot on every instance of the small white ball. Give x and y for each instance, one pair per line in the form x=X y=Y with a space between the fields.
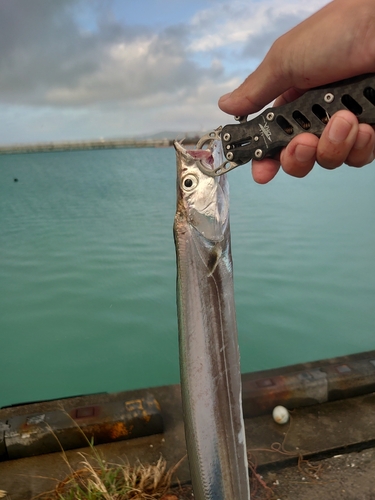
x=280 y=415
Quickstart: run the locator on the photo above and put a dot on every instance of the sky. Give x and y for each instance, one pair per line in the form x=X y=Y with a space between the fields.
x=90 y=69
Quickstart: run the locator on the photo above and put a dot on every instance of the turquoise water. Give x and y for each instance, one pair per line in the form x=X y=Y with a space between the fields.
x=87 y=270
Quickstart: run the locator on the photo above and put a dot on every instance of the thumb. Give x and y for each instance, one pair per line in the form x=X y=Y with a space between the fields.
x=259 y=89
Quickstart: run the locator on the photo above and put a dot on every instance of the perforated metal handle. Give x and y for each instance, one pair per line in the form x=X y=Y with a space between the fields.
x=274 y=128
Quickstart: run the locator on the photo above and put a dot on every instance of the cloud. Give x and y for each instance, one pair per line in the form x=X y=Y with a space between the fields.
x=255 y=24
x=48 y=59
x=44 y=49
x=136 y=69
x=40 y=44
x=71 y=61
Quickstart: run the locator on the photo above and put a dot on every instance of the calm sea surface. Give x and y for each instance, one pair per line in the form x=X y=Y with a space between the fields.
x=87 y=270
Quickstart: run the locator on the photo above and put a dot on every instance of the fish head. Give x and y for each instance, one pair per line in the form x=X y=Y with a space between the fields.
x=202 y=200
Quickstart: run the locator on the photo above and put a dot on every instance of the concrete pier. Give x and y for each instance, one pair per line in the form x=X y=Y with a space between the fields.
x=329 y=439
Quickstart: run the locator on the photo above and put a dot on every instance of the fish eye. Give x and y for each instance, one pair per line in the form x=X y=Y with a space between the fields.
x=189 y=182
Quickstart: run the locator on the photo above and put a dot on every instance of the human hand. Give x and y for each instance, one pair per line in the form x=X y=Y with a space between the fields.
x=302 y=59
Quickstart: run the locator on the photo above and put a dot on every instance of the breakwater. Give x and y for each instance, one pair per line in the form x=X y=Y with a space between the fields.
x=45 y=147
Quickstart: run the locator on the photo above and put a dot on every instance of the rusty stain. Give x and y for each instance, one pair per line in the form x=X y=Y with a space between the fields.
x=157 y=405
x=27 y=429
x=111 y=431
x=136 y=408
x=119 y=429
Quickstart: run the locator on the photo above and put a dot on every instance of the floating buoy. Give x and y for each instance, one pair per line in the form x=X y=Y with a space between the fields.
x=15 y=179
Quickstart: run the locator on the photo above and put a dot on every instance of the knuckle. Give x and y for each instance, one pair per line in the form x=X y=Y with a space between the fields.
x=296 y=169
x=329 y=161
x=332 y=155
x=359 y=161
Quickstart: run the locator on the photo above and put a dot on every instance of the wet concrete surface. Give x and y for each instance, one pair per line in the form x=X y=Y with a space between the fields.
x=282 y=455
x=346 y=477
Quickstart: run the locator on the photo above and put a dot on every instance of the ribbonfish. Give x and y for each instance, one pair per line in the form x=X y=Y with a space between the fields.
x=209 y=355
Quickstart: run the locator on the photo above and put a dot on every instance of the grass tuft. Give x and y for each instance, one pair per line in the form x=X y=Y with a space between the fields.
x=103 y=481
x=98 y=480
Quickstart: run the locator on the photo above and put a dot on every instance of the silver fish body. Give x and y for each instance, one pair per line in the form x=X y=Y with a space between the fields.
x=209 y=355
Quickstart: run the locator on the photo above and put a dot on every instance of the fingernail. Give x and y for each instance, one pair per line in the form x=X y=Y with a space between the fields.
x=339 y=130
x=363 y=138
x=304 y=153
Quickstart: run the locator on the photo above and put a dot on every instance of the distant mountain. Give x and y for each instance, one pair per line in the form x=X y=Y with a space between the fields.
x=172 y=135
